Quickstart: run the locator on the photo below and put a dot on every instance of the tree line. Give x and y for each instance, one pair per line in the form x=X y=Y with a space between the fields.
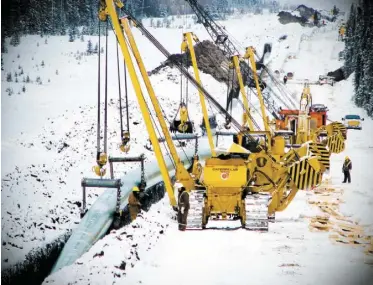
x=359 y=53
x=61 y=17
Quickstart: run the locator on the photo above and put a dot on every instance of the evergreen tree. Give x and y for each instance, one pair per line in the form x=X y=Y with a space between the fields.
x=35 y=15
x=96 y=48
x=350 y=41
x=71 y=35
x=89 y=47
x=15 y=40
x=9 y=77
x=4 y=49
x=358 y=47
x=358 y=60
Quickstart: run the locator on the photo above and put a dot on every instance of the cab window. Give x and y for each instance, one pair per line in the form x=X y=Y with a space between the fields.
x=352 y=117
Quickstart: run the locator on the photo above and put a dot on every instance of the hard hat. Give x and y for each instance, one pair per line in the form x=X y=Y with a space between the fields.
x=347 y=158
x=135 y=189
x=178 y=185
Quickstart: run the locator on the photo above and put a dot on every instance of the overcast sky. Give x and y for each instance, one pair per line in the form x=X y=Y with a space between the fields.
x=344 y=5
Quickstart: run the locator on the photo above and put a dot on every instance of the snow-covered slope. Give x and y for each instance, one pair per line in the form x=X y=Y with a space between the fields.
x=49 y=130
x=155 y=252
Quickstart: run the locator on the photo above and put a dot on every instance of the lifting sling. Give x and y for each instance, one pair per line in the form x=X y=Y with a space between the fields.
x=183 y=125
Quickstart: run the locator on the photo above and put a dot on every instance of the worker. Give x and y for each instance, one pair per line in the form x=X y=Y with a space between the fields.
x=183 y=208
x=346 y=168
x=285 y=79
x=342 y=31
x=134 y=204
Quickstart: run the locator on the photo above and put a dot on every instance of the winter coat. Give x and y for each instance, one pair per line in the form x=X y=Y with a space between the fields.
x=184 y=200
x=347 y=165
x=133 y=201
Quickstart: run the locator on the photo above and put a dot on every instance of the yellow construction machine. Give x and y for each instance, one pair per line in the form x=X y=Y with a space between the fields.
x=244 y=185
x=308 y=125
x=228 y=185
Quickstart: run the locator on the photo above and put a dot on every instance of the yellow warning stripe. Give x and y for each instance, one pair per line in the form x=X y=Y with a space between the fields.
x=336 y=143
x=322 y=152
x=303 y=175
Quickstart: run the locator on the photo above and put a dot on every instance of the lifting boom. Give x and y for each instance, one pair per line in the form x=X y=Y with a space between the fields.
x=107 y=7
x=181 y=173
x=188 y=44
x=246 y=119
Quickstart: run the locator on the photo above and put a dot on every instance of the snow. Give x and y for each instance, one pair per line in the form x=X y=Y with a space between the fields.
x=63 y=111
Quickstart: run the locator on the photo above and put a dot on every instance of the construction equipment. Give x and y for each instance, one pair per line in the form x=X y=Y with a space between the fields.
x=246 y=120
x=323 y=79
x=140 y=159
x=108 y=7
x=224 y=199
x=125 y=133
x=99 y=183
x=262 y=170
x=224 y=41
x=310 y=123
x=187 y=45
x=183 y=124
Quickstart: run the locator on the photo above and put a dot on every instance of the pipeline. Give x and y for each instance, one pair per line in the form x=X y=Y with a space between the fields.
x=100 y=216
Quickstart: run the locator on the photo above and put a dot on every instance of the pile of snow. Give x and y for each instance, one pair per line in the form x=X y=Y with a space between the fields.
x=303 y=15
x=132 y=242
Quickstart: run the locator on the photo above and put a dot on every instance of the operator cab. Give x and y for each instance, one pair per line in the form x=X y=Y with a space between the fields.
x=318 y=112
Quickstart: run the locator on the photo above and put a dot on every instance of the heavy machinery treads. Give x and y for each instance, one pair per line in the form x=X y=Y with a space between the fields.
x=256 y=206
x=194 y=219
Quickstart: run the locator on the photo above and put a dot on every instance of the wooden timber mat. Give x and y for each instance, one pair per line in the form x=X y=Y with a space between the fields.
x=343 y=229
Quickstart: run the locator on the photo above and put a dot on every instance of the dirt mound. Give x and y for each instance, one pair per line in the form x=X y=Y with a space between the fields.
x=210 y=59
x=305 y=13
x=287 y=18
x=339 y=74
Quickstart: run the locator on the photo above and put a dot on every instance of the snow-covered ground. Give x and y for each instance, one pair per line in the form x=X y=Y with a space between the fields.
x=289 y=254
x=152 y=250
x=49 y=131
